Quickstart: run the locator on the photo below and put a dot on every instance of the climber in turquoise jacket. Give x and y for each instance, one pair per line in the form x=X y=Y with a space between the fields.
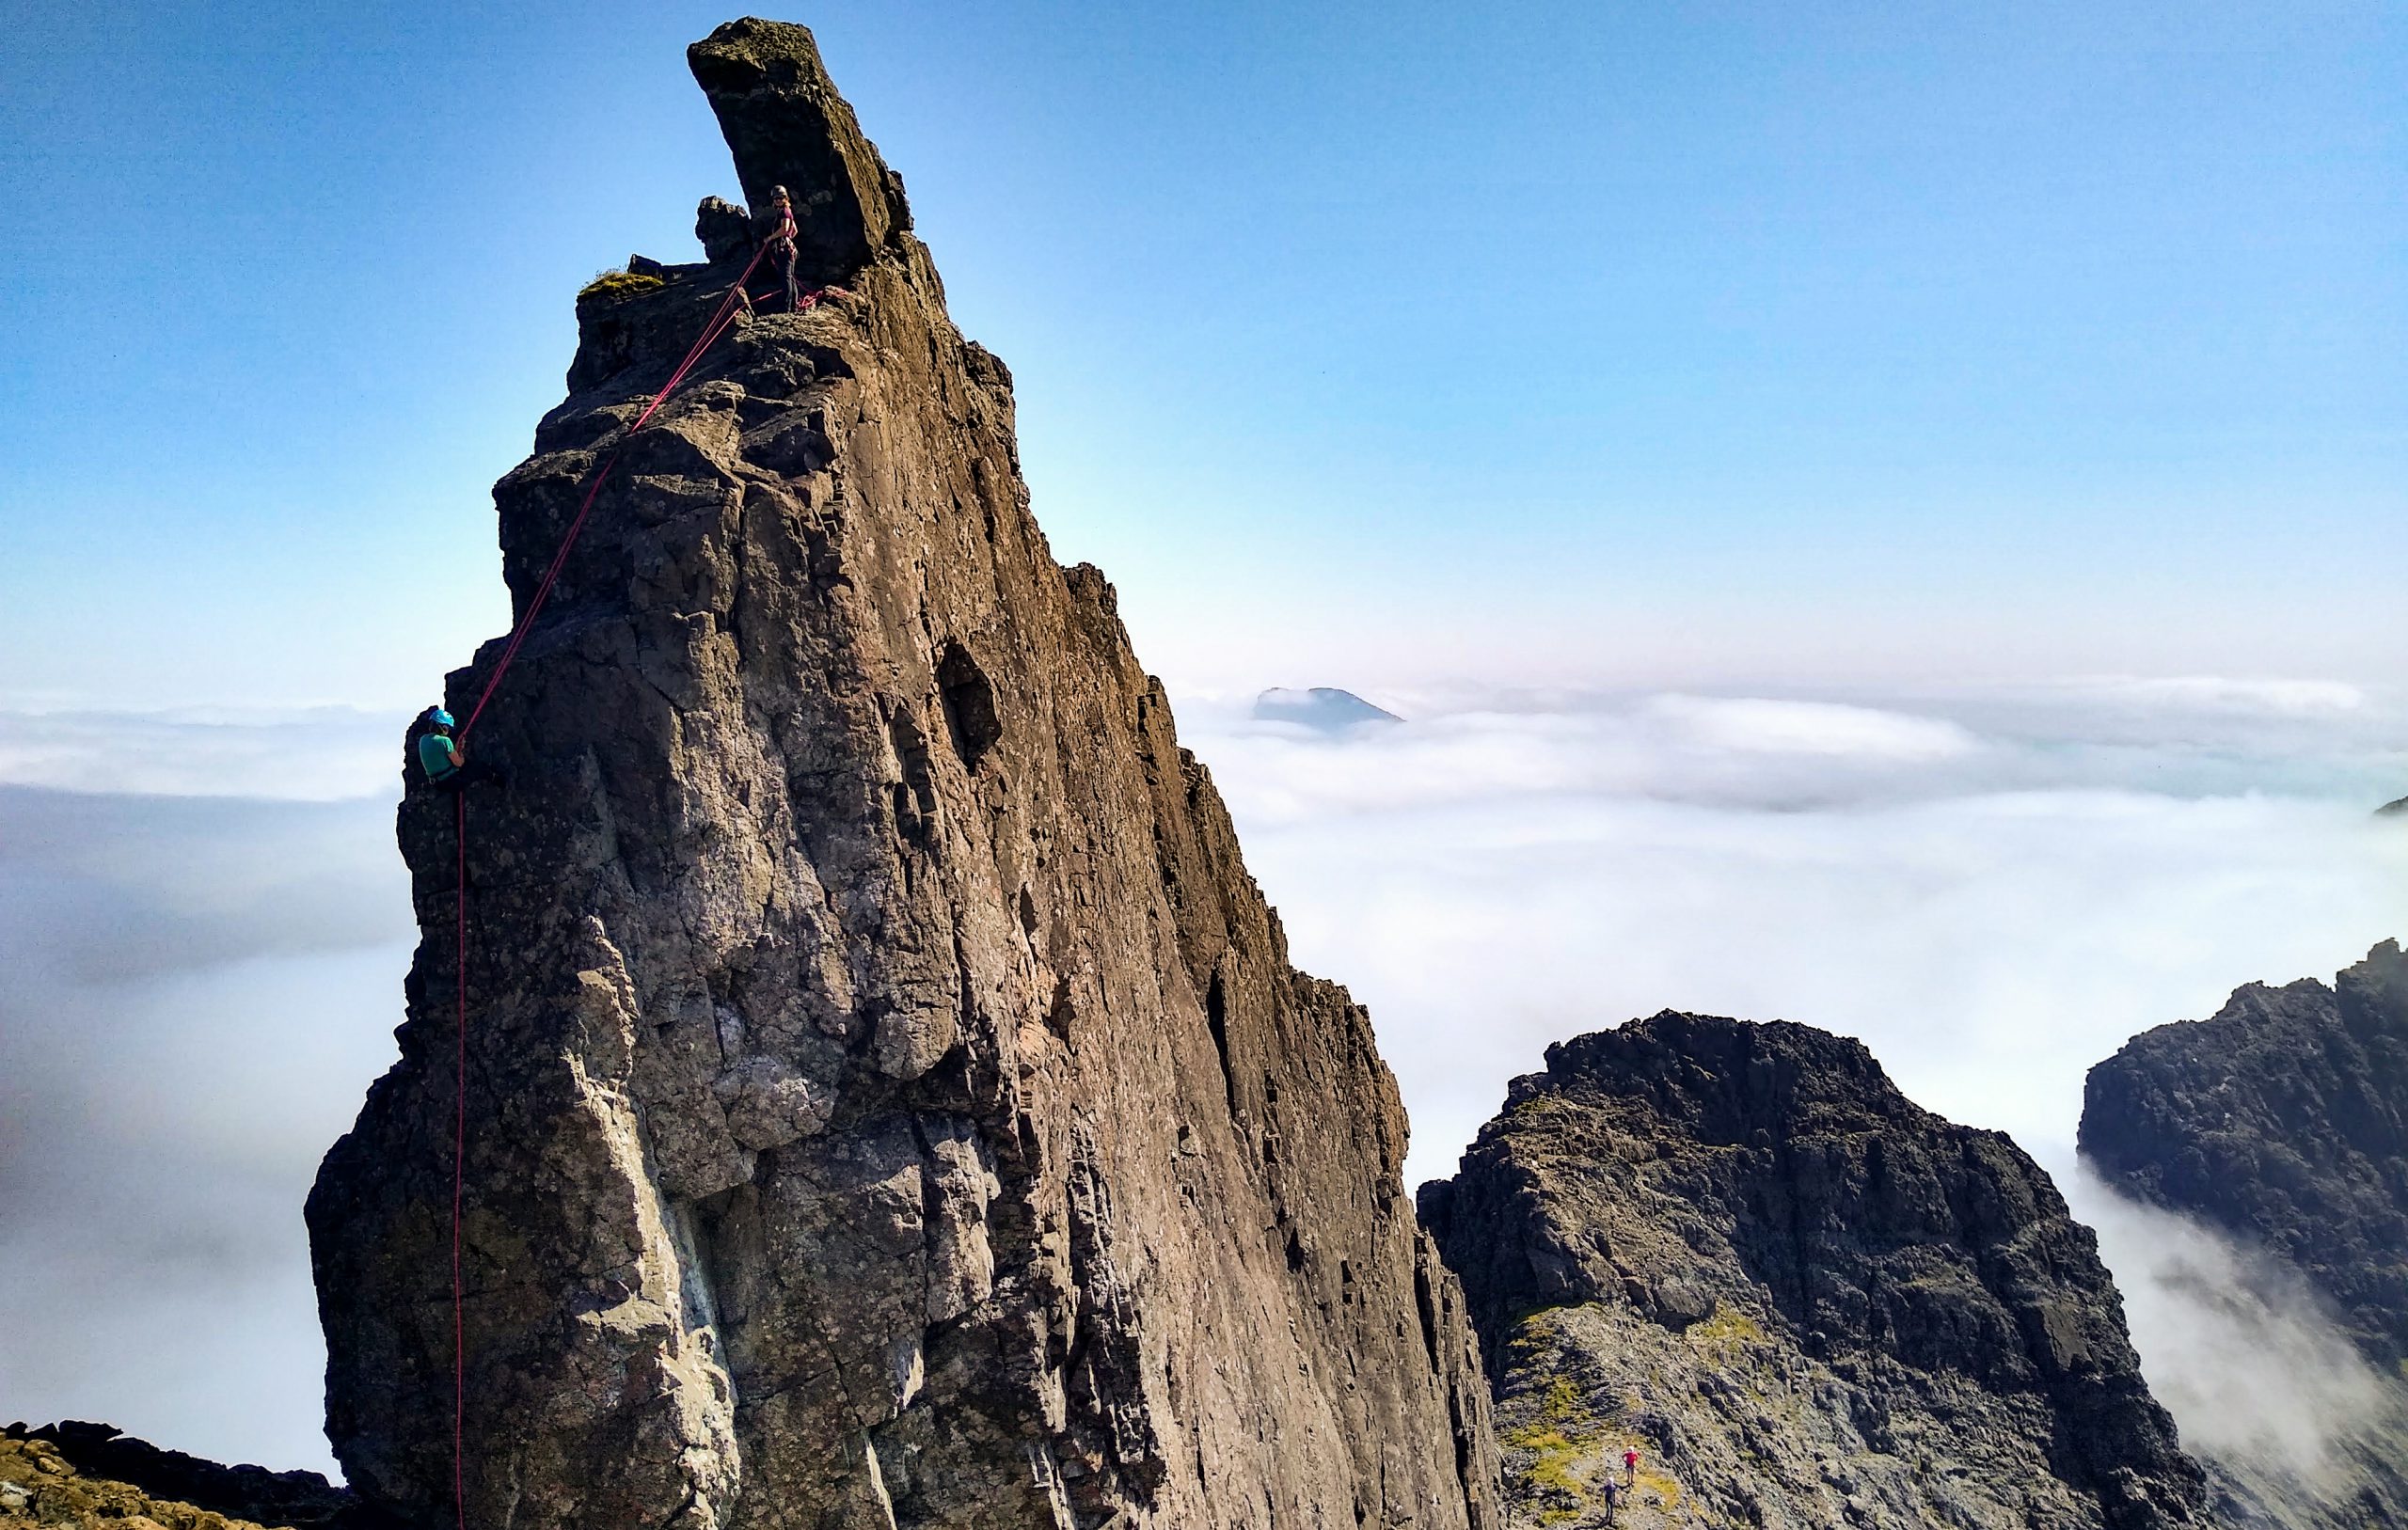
x=447 y=769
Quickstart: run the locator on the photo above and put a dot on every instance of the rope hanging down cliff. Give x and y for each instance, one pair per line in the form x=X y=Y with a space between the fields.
x=720 y=321
x=721 y=318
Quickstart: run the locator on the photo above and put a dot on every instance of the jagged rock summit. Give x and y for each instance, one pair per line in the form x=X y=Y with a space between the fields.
x=2283 y=1120
x=889 y=1103
x=1806 y=1301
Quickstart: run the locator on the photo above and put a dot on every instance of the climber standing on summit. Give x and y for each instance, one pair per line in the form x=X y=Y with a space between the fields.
x=783 y=241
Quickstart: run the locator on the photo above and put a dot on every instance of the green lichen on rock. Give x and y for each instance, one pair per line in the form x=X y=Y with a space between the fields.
x=1750 y=1258
x=1551 y=1448
x=1730 y=1337
x=612 y=286
x=38 y=1487
x=78 y=1473
x=1727 y=1328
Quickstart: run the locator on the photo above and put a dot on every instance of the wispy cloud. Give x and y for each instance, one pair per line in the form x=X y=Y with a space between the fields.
x=2242 y=1351
x=1753 y=725
x=2223 y=693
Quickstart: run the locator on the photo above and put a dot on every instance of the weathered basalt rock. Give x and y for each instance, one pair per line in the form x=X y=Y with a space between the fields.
x=1807 y=1300
x=2282 y=1120
x=787 y=127
x=889 y=1102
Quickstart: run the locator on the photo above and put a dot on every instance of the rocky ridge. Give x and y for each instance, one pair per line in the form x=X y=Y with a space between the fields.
x=86 y=1477
x=1808 y=1302
x=117 y=1469
x=2282 y=1121
x=891 y=1103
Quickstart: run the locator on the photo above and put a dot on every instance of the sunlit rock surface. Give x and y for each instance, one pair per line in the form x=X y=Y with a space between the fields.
x=889 y=1102
x=1806 y=1300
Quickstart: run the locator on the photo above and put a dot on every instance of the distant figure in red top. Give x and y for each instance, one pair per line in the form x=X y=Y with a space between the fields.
x=1630 y=1467
x=782 y=240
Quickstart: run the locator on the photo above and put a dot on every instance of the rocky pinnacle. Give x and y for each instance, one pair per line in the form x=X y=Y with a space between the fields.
x=889 y=1102
x=2283 y=1121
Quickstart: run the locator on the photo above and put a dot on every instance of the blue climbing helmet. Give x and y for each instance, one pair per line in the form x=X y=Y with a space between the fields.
x=438 y=718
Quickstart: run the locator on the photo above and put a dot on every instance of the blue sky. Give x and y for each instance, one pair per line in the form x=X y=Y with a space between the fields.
x=1659 y=343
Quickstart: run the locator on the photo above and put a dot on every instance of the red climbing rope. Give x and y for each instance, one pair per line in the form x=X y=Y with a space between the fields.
x=459 y=1173
x=720 y=321
x=720 y=318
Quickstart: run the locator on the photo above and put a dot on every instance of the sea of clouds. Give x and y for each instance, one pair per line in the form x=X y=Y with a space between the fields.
x=205 y=927
x=197 y=991
x=1994 y=889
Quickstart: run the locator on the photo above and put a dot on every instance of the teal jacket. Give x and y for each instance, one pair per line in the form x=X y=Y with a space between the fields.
x=434 y=753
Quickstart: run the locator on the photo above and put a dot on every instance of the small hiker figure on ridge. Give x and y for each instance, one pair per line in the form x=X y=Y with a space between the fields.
x=447 y=769
x=1613 y=1494
x=1630 y=1466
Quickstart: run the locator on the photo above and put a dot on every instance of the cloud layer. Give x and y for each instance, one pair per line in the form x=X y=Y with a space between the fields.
x=316 y=754
x=198 y=992
x=1993 y=889
x=2236 y=1346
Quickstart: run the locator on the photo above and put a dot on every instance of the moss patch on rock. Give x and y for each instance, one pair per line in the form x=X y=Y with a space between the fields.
x=612 y=286
x=39 y=1487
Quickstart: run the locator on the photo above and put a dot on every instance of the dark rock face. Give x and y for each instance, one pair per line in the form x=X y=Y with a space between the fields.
x=787 y=127
x=2283 y=1120
x=890 y=1101
x=1808 y=1302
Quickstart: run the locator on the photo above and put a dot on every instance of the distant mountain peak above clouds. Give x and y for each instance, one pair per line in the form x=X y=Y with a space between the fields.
x=1322 y=707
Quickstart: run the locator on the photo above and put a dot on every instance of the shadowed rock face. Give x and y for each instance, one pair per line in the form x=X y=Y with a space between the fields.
x=2284 y=1119
x=890 y=1101
x=1808 y=1302
x=787 y=127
